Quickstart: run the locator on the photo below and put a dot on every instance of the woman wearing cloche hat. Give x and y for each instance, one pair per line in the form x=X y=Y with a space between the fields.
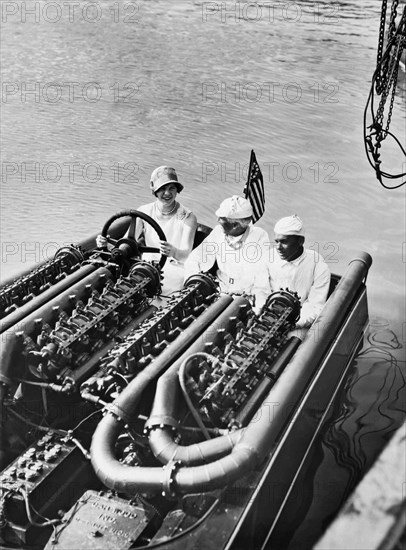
x=177 y=222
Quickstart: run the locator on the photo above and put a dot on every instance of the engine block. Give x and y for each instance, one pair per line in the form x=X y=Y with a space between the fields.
x=59 y=352
x=222 y=382
x=26 y=287
x=219 y=384
x=42 y=478
x=131 y=419
x=131 y=355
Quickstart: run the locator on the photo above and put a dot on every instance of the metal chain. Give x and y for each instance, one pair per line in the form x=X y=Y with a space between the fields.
x=383 y=66
x=380 y=47
x=392 y=22
x=386 y=87
x=387 y=73
x=394 y=79
x=384 y=82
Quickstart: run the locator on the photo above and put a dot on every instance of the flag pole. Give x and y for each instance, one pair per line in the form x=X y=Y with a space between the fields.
x=254 y=188
x=249 y=174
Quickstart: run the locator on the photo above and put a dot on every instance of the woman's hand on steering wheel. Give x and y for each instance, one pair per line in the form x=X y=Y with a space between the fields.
x=168 y=249
x=101 y=242
x=139 y=248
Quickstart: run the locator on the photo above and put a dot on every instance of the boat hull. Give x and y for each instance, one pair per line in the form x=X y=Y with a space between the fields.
x=182 y=422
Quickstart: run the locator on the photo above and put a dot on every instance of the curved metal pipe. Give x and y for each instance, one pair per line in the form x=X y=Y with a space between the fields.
x=163 y=414
x=324 y=330
x=11 y=344
x=276 y=409
x=171 y=478
x=161 y=438
x=166 y=450
x=258 y=438
x=107 y=467
x=45 y=296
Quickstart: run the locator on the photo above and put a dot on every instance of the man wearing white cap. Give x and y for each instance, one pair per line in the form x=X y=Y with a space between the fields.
x=240 y=251
x=301 y=270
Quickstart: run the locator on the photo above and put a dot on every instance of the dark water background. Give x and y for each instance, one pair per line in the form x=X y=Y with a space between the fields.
x=96 y=96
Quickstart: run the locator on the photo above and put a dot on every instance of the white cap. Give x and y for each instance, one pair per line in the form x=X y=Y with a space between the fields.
x=291 y=225
x=234 y=208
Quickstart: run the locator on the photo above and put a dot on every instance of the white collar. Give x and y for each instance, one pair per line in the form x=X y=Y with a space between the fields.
x=294 y=262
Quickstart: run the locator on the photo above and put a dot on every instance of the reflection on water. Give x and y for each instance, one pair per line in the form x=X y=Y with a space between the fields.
x=377 y=382
x=368 y=409
x=199 y=93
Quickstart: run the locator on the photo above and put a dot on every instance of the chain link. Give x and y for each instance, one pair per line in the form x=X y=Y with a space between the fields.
x=383 y=63
x=385 y=83
x=381 y=38
x=393 y=83
x=388 y=66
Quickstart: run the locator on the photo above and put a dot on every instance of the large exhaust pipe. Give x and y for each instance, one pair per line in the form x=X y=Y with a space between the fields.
x=258 y=438
x=11 y=364
x=107 y=467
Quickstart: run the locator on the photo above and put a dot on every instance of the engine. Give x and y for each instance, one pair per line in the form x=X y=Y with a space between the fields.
x=37 y=281
x=187 y=378
x=221 y=383
x=125 y=415
x=63 y=353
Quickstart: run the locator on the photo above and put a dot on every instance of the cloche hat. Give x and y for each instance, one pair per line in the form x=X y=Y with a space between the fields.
x=162 y=176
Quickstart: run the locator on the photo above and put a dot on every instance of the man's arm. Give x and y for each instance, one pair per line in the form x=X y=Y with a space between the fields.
x=261 y=284
x=317 y=297
x=261 y=288
x=203 y=257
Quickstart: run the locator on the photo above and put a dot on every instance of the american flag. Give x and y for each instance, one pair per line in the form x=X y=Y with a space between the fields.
x=254 y=189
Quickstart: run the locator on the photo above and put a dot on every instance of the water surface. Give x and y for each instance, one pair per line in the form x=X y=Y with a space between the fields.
x=120 y=88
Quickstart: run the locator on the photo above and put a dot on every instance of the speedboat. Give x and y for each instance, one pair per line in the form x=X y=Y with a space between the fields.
x=136 y=420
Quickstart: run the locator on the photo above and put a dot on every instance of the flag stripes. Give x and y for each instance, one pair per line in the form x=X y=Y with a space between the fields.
x=254 y=188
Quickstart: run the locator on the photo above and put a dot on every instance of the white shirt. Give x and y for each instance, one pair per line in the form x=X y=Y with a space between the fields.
x=174 y=228
x=308 y=275
x=241 y=261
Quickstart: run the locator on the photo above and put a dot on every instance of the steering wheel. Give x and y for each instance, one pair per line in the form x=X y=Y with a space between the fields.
x=128 y=245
